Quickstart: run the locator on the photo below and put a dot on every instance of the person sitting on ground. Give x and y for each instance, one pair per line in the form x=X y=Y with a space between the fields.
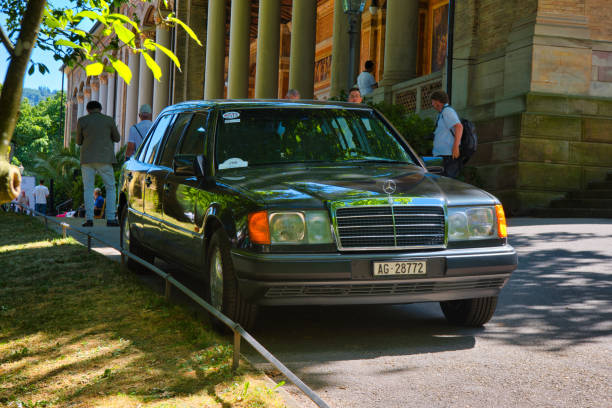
x=293 y=94
x=98 y=202
x=23 y=202
x=354 y=95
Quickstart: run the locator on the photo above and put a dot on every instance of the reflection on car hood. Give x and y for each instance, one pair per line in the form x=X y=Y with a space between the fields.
x=310 y=186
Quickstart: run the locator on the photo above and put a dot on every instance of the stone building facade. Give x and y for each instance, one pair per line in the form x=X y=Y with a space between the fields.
x=535 y=75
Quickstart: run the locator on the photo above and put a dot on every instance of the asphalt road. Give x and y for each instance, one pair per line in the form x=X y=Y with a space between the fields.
x=548 y=345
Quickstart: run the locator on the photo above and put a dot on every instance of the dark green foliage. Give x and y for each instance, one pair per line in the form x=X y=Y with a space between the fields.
x=416 y=130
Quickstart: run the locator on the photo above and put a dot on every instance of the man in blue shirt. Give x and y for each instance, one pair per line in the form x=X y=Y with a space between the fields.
x=139 y=130
x=447 y=135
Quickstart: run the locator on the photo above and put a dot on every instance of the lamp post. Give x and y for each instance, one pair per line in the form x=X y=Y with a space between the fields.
x=352 y=8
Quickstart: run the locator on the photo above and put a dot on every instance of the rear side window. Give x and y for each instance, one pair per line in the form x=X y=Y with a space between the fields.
x=173 y=138
x=195 y=137
x=155 y=139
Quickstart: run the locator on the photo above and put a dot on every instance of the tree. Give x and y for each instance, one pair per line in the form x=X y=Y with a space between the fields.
x=59 y=32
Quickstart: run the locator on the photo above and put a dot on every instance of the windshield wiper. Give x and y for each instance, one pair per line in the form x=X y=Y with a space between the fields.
x=379 y=160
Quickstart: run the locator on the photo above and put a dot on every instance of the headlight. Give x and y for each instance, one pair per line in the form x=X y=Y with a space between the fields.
x=287 y=228
x=471 y=223
x=298 y=227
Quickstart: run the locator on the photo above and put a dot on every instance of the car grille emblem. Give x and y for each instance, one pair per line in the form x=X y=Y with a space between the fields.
x=389 y=187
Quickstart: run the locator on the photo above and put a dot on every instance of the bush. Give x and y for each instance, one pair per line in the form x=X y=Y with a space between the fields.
x=416 y=130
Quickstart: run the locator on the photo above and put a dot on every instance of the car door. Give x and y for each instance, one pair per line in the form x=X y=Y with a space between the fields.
x=183 y=215
x=153 y=183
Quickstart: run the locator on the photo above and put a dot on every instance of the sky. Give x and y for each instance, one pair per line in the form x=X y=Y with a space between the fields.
x=51 y=80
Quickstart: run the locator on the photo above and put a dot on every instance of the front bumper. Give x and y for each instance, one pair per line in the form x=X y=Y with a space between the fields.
x=334 y=279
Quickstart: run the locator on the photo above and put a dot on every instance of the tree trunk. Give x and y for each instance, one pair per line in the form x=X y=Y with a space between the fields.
x=10 y=98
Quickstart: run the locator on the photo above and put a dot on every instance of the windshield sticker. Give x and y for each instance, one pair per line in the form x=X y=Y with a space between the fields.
x=232 y=121
x=231 y=115
x=233 y=163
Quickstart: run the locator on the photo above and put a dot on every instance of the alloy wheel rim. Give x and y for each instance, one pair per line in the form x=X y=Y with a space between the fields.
x=216 y=281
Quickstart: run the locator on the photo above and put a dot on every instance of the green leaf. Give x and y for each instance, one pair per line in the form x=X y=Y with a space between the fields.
x=94 y=69
x=149 y=44
x=92 y=15
x=123 y=33
x=185 y=27
x=122 y=69
x=78 y=32
x=169 y=53
x=31 y=70
x=157 y=73
x=66 y=43
x=50 y=20
x=123 y=19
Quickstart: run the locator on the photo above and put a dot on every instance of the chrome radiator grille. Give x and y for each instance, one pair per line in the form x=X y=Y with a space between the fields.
x=389 y=227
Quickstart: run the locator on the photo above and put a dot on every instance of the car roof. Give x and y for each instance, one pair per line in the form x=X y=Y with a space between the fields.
x=261 y=103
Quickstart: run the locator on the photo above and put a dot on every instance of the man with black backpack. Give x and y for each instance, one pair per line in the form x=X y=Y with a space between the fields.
x=139 y=130
x=447 y=135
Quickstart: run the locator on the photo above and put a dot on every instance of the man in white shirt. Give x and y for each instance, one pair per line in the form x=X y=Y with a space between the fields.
x=139 y=130
x=41 y=192
x=366 y=81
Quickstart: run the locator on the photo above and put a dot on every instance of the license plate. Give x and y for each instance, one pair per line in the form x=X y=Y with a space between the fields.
x=400 y=268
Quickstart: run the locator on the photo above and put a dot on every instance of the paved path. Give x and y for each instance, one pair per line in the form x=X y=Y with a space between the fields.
x=548 y=345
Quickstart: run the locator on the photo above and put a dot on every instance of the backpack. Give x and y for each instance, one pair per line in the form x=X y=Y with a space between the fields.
x=469 y=139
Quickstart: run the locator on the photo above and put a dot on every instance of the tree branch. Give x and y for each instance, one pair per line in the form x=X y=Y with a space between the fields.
x=7 y=42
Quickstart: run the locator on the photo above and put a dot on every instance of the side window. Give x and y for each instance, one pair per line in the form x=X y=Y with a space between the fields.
x=155 y=139
x=173 y=138
x=142 y=149
x=194 y=139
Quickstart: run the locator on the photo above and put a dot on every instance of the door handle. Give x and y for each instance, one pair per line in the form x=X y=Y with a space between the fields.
x=148 y=181
x=166 y=187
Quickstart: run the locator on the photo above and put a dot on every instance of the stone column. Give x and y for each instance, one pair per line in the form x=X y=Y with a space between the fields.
x=215 y=50
x=239 y=50
x=145 y=84
x=86 y=98
x=103 y=93
x=340 y=51
x=131 y=115
x=110 y=95
x=68 y=121
x=80 y=102
x=400 y=41
x=160 y=88
x=302 y=60
x=95 y=90
x=268 y=47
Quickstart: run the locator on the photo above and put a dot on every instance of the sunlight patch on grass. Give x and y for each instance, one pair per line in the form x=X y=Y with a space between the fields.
x=75 y=330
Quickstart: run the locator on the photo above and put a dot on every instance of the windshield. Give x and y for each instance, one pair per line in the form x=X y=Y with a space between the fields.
x=259 y=136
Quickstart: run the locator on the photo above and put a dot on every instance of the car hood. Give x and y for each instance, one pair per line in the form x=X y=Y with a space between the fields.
x=312 y=186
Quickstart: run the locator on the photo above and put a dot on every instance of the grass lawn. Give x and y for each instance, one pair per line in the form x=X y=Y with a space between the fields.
x=77 y=331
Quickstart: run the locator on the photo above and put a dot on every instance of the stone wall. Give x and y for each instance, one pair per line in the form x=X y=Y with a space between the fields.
x=559 y=144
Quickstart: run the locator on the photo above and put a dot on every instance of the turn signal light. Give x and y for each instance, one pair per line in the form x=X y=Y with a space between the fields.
x=259 y=230
x=502 y=230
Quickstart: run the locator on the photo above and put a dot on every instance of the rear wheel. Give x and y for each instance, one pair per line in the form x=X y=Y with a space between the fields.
x=469 y=312
x=128 y=242
x=224 y=294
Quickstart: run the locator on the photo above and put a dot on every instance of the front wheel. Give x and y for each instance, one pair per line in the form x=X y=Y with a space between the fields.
x=224 y=294
x=469 y=312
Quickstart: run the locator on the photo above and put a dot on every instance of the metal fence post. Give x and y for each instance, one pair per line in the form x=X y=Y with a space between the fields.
x=64 y=230
x=168 y=288
x=88 y=243
x=236 y=359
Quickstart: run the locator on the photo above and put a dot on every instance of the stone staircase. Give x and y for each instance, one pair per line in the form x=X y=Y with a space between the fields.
x=593 y=202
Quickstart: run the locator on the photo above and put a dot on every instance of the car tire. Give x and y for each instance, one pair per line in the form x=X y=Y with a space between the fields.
x=127 y=241
x=469 y=312
x=223 y=292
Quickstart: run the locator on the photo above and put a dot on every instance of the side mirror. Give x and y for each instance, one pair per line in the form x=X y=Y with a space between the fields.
x=433 y=164
x=189 y=165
